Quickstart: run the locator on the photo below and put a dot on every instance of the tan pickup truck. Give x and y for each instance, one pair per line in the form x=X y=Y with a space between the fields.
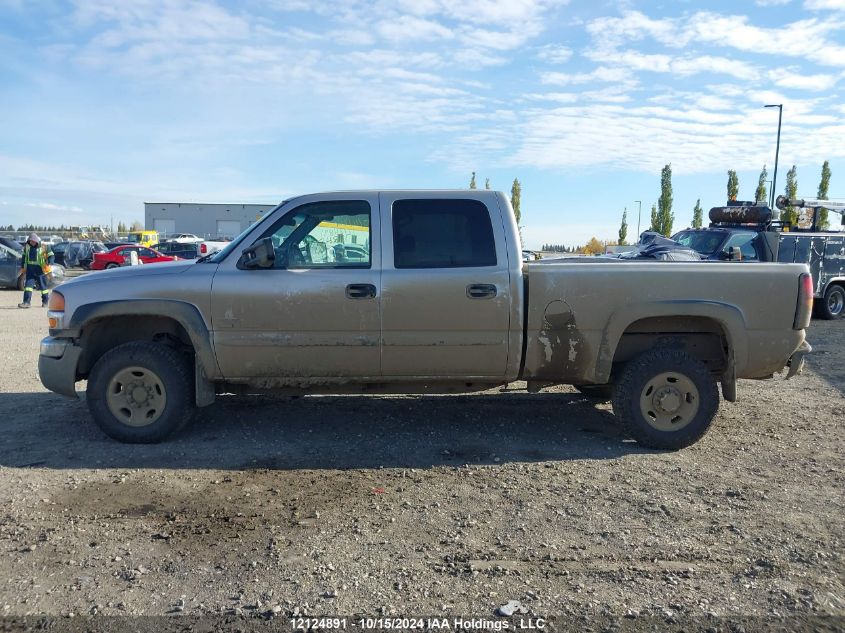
x=418 y=292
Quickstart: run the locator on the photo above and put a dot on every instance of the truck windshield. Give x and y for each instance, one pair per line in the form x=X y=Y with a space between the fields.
x=704 y=242
x=219 y=256
x=133 y=238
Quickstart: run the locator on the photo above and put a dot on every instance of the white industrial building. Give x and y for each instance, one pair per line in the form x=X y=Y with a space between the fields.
x=205 y=220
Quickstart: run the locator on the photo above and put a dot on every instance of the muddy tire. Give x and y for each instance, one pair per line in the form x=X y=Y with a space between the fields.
x=141 y=392
x=599 y=392
x=665 y=399
x=111 y=266
x=833 y=304
x=21 y=283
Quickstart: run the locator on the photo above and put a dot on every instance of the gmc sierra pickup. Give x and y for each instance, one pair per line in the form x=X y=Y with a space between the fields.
x=418 y=292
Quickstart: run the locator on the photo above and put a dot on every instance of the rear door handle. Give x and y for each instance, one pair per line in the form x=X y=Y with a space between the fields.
x=360 y=291
x=481 y=291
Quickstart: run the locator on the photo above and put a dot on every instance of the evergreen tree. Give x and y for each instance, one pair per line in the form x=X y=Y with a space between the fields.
x=655 y=222
x=791 y=191
x=516 y=195
x=822 y=195
x=472 y=182
x=623 y=230
x=760 y=194
x=697 y=215
x=665 y=216
x=733 y=185
x=121 y=227
x=137 y=226
x=487 y=184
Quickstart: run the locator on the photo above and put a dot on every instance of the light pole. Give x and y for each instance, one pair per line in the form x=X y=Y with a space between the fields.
x=779 y=106
x=639 y=213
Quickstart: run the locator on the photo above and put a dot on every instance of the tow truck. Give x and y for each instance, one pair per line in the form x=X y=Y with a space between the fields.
x=747 y=232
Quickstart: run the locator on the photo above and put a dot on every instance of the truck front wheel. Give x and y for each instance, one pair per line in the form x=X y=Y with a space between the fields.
x=140 y=392
x=665 y=399
x=833 y=304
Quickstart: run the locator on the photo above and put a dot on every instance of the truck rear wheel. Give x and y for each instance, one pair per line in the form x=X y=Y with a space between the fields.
x=140 y=392
x=833 y=304
x=665 y=399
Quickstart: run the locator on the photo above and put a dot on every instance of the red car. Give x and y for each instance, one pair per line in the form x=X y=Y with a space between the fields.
x=118 y=255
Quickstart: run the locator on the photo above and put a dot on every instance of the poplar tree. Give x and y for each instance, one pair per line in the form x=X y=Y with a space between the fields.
x=760 y=193
x=791 y=191
x=733 y=185
x=822 y=195
x=655 y=222
x=623 y=230
x=697 y=215
x=472 y=182
x=516 y=194
x=487 y=184
x=665 y=216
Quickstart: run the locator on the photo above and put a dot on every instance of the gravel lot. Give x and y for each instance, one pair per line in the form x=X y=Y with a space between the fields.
x=439 y=506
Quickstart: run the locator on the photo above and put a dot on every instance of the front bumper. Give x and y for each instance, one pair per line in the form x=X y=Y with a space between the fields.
x=796 y=361
x=57 y=364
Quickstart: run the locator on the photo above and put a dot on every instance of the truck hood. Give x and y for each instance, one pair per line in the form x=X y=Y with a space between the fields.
x=127 y=272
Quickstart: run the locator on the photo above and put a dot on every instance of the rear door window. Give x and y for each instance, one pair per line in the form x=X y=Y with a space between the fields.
x=442 y=233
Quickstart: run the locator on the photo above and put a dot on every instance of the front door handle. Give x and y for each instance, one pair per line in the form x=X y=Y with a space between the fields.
x=360 y=291
x=481 y=291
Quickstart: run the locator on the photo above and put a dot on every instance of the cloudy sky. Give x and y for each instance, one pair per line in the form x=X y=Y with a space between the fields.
x=108 y=104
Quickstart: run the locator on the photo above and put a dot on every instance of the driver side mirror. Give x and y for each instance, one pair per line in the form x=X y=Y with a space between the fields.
x=734 y=254
x=260 y=255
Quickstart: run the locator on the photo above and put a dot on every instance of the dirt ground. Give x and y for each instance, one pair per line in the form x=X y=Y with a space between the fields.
x=425 y=506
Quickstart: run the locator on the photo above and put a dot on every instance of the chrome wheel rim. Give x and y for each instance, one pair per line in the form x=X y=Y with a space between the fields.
x=669 y=401
x=136 y=396
x=835 y=303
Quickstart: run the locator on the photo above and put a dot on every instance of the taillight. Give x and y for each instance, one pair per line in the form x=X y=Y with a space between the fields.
x=203 y=249
x=804 y=309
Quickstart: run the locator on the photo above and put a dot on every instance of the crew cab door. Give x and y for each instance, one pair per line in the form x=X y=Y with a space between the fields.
x=315 y=313
x=445 y=286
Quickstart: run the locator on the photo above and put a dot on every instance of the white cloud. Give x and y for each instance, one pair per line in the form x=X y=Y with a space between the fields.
x=771 y=3
x=798 y=81
x=408 y=28
x=554 y=54
x=816 y=40
x=820 y=5
x=600 y=74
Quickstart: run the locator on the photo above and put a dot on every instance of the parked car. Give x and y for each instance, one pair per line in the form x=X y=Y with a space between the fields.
x=440 y=304
x=81 y=253
x=10 y=269
x=11 y=243
x=10 y=266
x=111 y=245
x=186 y=238
x=182 y=250
x=59 y=252
x=117 y=257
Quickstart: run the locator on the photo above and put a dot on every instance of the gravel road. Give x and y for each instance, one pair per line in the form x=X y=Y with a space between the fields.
x=437 y=506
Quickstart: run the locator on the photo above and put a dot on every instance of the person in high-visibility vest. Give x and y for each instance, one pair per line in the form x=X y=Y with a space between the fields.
x=36 y=264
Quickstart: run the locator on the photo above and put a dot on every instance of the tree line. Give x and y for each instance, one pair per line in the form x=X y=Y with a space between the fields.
x=43 y=228
x=662 y=216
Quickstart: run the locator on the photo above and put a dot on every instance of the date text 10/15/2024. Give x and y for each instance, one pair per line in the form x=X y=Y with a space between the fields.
x=421 y=623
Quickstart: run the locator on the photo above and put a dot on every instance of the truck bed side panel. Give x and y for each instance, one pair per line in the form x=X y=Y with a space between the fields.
x=578 y=312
